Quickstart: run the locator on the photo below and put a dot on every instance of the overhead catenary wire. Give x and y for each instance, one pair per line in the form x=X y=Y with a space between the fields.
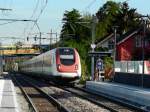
x=33 y=13
x=41 y=11
x=6 y=4
x=88 y=6
x=6 y=7
x=91 y=3
x=35 y=9
x=7 y=23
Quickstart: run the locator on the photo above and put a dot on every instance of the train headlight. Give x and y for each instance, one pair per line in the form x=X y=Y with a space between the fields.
x=76 y=67
x=58 y=66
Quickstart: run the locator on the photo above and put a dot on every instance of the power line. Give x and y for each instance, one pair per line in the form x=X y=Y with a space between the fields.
x=39 y=15
x=42 y=10
x=7 y=23
x=17 y=20
x=4 y=9
x=7 y=3
x=34 y=11
x=10 y=38
x=91 y=3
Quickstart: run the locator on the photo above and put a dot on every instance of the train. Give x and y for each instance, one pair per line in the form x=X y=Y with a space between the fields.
x=59 y=64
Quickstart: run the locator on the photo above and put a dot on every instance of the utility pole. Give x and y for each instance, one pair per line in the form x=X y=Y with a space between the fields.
x=93 y=44
x=1 y=50
x=51 y=32
x=40 y=40
x=143 y=49
x=143 y=42
x=56 y=40
x=51 y=37
x=114 y=57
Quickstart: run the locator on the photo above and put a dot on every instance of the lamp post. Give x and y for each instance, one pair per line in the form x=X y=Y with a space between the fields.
x=94 y=19
x=143 y=49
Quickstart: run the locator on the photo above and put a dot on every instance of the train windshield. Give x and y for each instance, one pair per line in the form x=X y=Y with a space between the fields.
x=67 y=56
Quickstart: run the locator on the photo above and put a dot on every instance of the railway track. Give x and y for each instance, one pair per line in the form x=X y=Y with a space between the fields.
x=98 y=100
x=71 y=101
x=113 y=106
x=129 y=105
x=111 y=103
x=38 y=100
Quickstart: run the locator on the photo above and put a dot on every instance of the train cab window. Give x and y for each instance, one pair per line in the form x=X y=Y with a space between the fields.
x=67 y=56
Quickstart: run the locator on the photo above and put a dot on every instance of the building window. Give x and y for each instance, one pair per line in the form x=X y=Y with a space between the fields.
x=138 y=41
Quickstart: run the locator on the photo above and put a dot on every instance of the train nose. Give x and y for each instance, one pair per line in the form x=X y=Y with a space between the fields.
x=58 y=66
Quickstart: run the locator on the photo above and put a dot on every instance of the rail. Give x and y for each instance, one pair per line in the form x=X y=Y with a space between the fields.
x=51 y=99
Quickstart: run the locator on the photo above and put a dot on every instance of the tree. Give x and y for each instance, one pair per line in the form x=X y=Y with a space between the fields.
x=106 y=16
x=126 y=19
x=18 y=45
x=79 y=25
x=112 y=14
x=70 y=26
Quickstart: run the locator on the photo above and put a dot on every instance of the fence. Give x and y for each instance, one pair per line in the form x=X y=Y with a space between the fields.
x=132 y=67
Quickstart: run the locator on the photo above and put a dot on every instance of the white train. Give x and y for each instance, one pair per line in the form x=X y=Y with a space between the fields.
x=61 y=64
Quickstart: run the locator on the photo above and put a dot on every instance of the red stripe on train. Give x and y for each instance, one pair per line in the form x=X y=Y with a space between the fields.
x=67 y=68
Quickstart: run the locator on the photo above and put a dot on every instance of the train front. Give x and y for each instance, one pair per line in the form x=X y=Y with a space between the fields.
x=68 y=64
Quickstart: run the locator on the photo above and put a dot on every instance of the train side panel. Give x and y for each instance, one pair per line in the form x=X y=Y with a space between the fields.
x=48 y=63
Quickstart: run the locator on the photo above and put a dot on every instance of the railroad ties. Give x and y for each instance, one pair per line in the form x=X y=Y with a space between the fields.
x=71 y=98
x=39 y=100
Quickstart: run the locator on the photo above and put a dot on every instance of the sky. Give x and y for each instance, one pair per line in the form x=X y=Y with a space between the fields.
x=50 y=18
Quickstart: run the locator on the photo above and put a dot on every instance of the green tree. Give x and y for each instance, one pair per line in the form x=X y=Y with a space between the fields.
x=18 y=45
x=80 y=26
x=70 y=25
x=106 y=16
x=126 y=19
x=111 y=14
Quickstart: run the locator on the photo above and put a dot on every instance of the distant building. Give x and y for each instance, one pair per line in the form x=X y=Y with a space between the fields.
x=107 y=42
x=25 y=49
x=130 y=45
x=12 y=55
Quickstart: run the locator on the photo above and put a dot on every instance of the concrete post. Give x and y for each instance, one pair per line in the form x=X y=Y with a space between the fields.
x=93 y=45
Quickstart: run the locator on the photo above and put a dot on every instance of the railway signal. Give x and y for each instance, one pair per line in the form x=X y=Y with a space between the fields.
x=27 y=38
x=35 y=38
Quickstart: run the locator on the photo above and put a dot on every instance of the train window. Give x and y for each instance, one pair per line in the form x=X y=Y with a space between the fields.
x=66 y=51
x=67 y=56
x=47 y=61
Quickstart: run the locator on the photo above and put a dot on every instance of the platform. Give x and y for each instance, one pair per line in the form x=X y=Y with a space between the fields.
x=8 y=101
x=132 y=94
